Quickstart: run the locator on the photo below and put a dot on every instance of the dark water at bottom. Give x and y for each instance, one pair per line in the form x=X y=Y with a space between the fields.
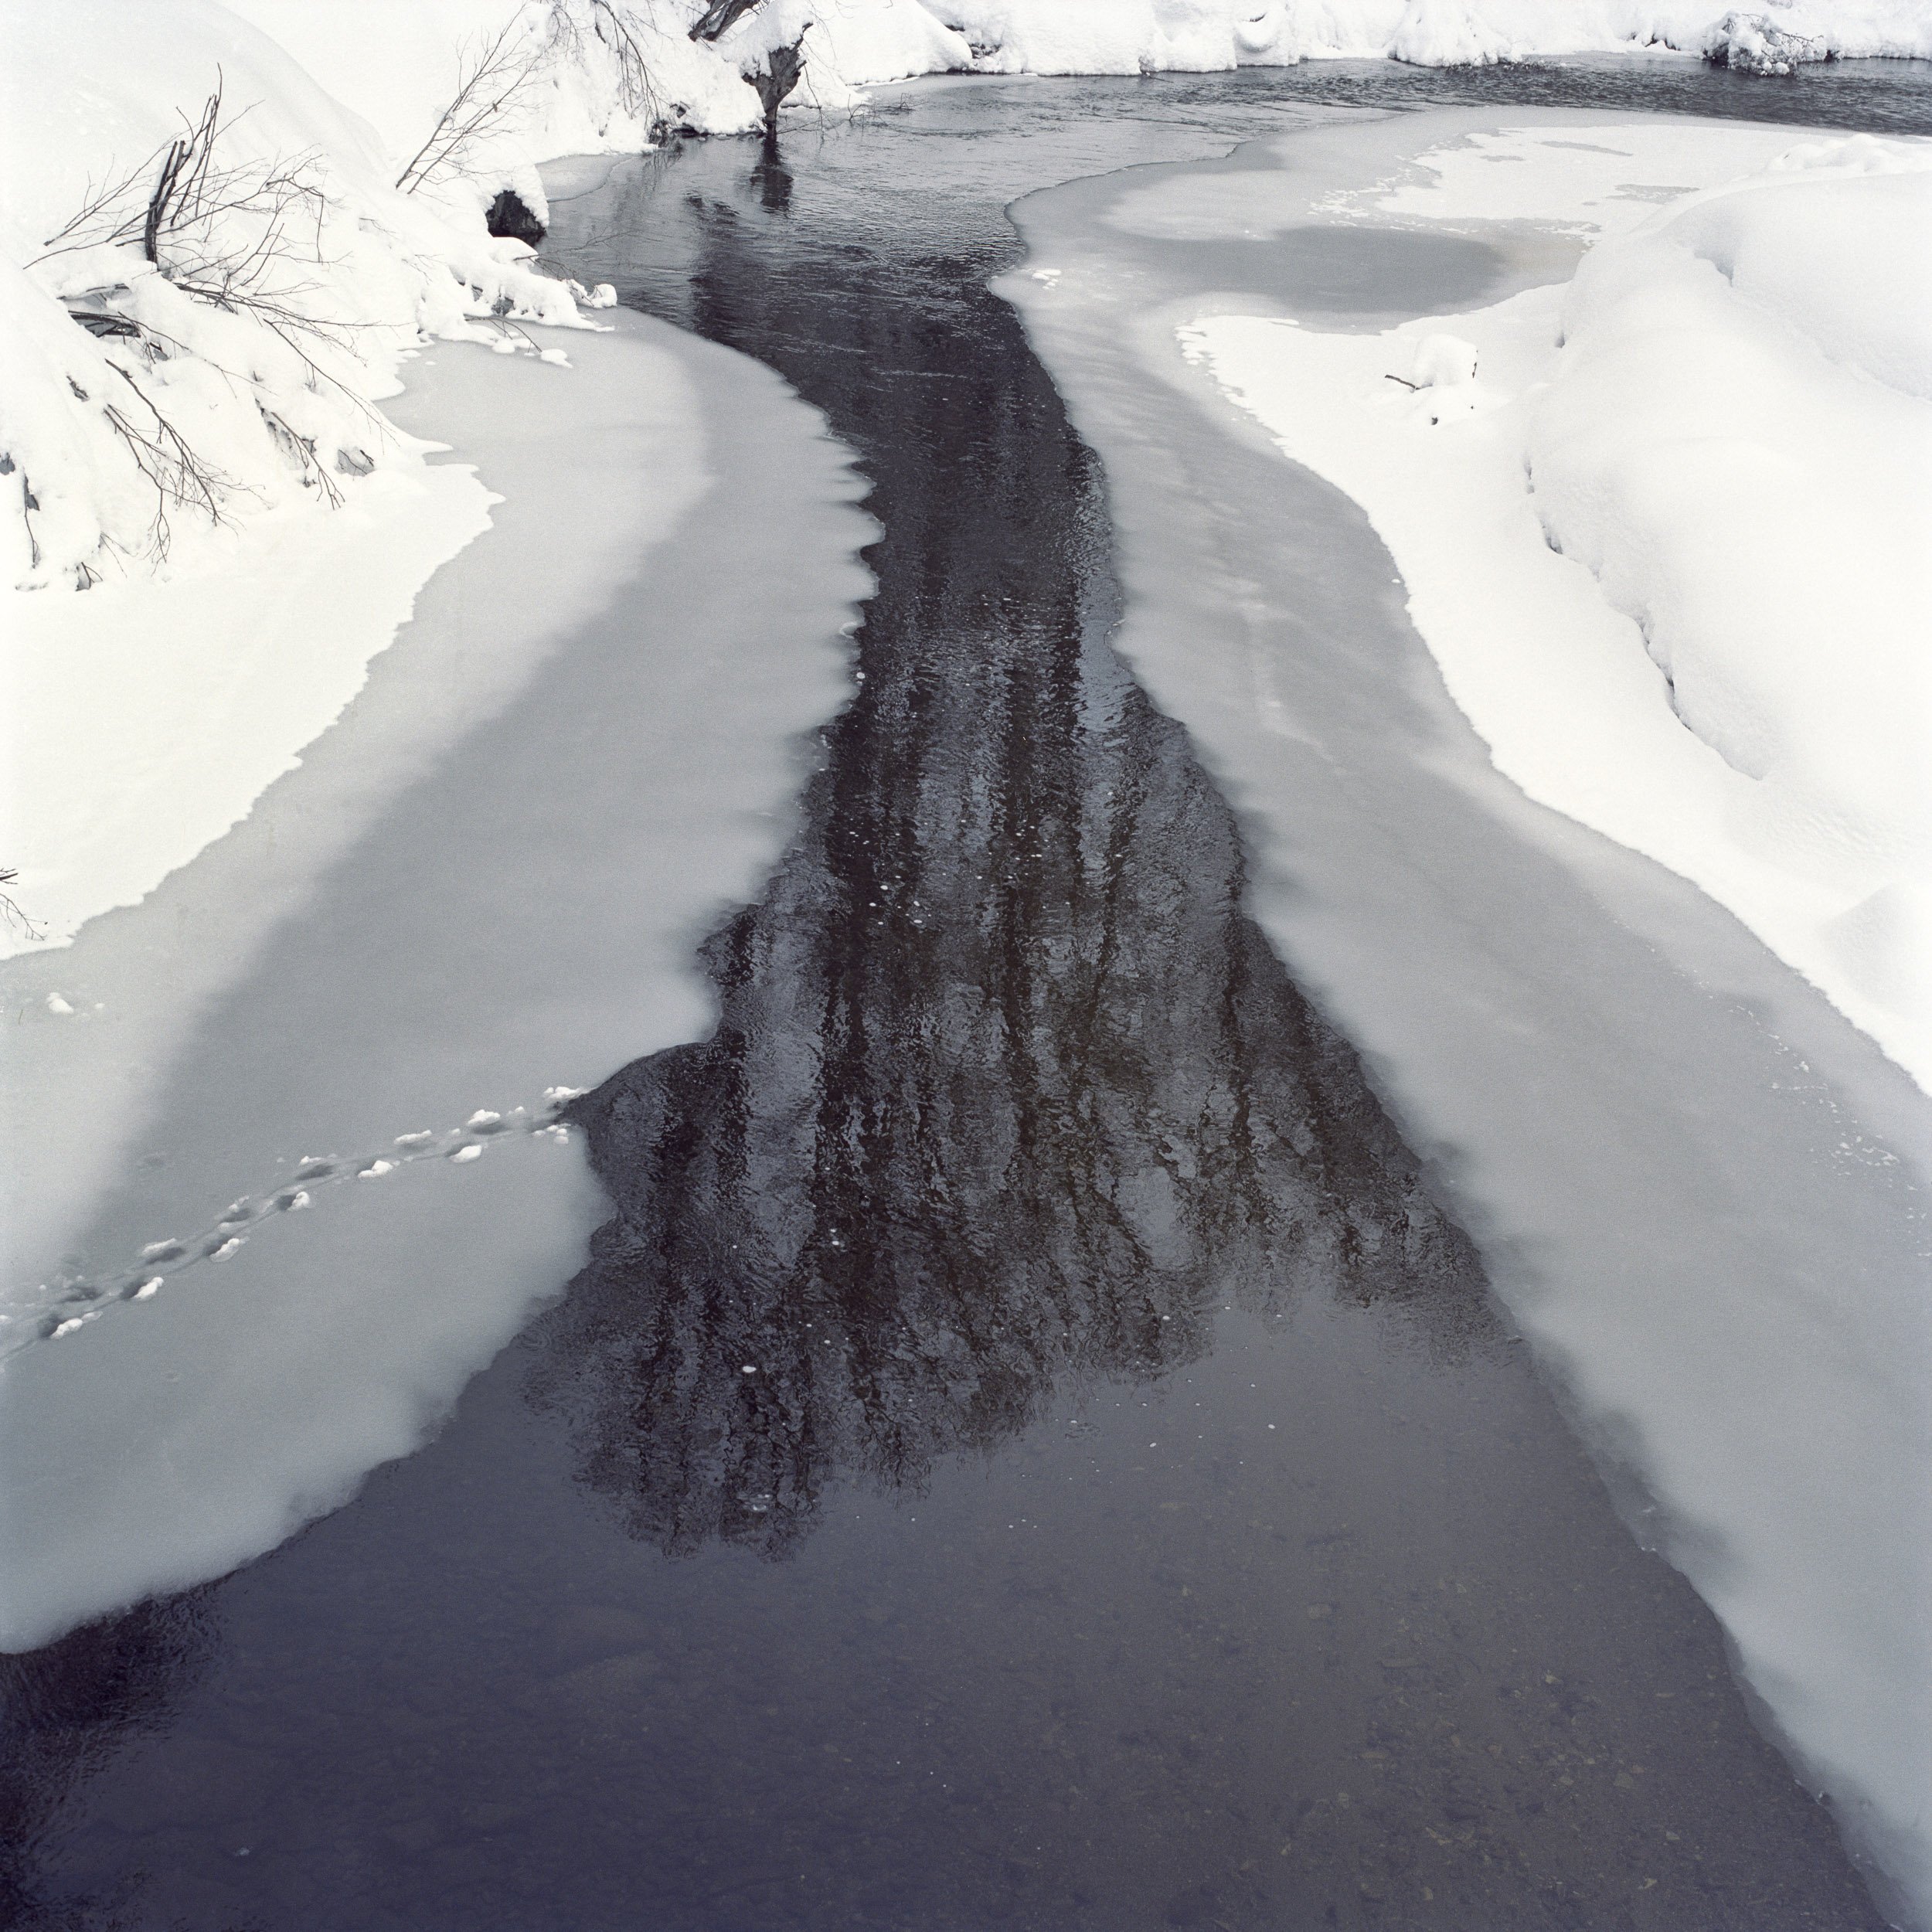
x=1028 y=1451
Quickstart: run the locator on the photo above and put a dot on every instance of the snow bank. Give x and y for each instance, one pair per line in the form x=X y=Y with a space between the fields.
x=1698 y=1188
x=1737 y=443
x=591 y=76
x=145 y=719
x=1669 y=529
x=163 y=379
x=191 y=429
x=412 y=931
x=1130 y=36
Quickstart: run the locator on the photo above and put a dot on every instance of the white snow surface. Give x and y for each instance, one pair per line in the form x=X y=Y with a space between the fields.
x=1697 y=1186
x=1147 y=36
x=1667 y=527
x=203 y=695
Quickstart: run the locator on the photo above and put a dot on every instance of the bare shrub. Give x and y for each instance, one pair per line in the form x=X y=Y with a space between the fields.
x=492 y=75
x=10 y=911
x=239 y=236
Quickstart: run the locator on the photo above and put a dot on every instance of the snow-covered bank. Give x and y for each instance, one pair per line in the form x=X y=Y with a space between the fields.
x=191 y=389
x=145 y=720
x=1697 y=1186
x=1668 y=529
x=216 y=252
x=489 y=878
x=200 y=400
x=598 y=78
x=1129 y=36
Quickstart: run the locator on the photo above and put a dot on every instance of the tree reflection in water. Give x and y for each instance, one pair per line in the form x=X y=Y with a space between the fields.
x=1008 y=1091
x=66 y=1709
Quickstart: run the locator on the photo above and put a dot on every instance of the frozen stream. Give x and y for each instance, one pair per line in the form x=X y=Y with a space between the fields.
x=1034 y=1448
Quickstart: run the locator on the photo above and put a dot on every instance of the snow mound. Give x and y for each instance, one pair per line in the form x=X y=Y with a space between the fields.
x=1738 y=445
x=209 y=280
x=1666 y=526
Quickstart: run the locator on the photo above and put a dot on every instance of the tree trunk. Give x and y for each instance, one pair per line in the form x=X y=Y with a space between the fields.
x=784 y=68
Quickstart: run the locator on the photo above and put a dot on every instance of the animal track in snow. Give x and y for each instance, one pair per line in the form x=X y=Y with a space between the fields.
x=70 y=1303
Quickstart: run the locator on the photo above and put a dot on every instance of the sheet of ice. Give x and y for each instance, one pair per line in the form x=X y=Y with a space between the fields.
x=488 y=880
x=1698 y=1188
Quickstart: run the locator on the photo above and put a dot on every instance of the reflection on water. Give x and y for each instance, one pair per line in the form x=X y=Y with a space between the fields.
x=66 y=1709
x=1234 y=1571
x=1007 y=1089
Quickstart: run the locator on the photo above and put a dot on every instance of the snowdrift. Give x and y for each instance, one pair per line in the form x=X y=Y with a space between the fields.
x=179 y=363
x=1737 y=444
x=1667 y=527
x=1130 y=36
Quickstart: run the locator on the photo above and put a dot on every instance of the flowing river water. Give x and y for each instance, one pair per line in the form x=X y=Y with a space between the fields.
x=1030 y=1448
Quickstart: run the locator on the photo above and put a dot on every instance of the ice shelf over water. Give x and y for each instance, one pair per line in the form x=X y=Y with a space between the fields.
x=488 y=880
x=1697 y=1186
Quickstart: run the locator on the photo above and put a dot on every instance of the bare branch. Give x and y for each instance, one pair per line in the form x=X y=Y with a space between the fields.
x=636 y=85
x=181 y=477
x=11 y=912
x=488 y=81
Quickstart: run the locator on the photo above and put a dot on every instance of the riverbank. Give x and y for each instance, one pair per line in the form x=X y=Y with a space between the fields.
x=1660 y=522
x=413 y=930
x=1030 y=1447
x=1693 y=1183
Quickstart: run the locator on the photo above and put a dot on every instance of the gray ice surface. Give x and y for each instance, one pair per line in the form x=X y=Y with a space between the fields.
x=487 y=879
x=1697 y=1187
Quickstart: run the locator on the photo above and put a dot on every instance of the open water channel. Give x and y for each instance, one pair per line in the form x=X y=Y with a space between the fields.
x=1029 y=1448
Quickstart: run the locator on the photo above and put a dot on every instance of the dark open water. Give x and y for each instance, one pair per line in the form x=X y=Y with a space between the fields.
x=1027 y=1451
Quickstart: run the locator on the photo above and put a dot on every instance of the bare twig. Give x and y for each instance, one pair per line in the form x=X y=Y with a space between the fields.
x=489 y=79
x=105 y=322
x=182 y=182
x=300 y=450
x=11 y=912
x=179 y=475
x=636 y=87
x=28 y=503
x=80 y=229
